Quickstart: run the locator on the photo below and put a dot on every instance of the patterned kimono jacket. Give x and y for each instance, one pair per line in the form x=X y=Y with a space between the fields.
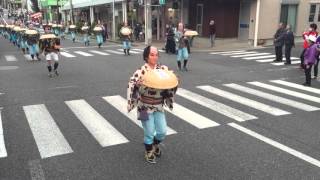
x=136 y=93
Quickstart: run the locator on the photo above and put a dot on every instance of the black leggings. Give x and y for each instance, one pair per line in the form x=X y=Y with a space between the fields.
x=316 y=67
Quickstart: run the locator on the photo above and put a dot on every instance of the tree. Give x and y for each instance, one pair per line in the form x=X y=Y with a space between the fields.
x=35 y=5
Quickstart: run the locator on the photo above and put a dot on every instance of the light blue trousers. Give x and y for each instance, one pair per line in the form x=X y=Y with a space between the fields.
x=182 y=54
x=154 y=127
x=33 y=49
x=126 y=44
x=99 y=39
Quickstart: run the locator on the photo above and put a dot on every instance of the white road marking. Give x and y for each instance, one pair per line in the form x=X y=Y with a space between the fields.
x=282 y=63
x=10 y=58
x=297 y=86
x=28 y=57
x=215 y=106
x=161 y=50
x=8 y=67
x=249 y=55
x=99 y=52
x=140 y=50
x=225 y=52
x=3 y=150
x=272 y=97
x=83 y=53
x=259 y=57
x=271 y=60
x=131 y=51
x=98 y=126
x=67 y=54
x=285 y=91
x=120 y=104
x=245 y=101
x=48 y=137
x=238 y=53
x=112 y=51
x=276 y=144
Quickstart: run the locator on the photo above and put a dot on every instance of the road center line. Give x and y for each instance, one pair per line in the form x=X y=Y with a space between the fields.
x=276 y=144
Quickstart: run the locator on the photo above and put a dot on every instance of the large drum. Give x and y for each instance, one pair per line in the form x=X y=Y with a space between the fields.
x=72 y=27
x=125 y=31
x=31 y=32
x=52 y=39
x=160 y=79
x=97 y=29
x=191 y=33
x=85 y=28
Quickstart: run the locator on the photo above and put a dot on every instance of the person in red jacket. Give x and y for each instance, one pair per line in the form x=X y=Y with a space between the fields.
x=311 y=31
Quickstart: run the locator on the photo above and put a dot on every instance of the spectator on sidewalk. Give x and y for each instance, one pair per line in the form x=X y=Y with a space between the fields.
x=278 y=42
x=289 y=43
x=310 y=58
x=105 y=33
x=311 y=31
x=212 y=32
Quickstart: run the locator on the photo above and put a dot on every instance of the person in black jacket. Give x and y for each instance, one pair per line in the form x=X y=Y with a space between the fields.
x=212 y=32
x=289 y=43
x=279 y=42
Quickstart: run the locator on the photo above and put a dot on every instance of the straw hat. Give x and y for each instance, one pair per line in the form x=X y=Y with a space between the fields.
x=17 y=28
x=72 y=26
x=84 y=28
x=97 y=28
x=31 y=32
x=191 y=33
x=160 y=79
x=48 y=36
x=125 y=31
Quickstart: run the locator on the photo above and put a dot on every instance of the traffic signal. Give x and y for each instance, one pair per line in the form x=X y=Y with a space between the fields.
x=162 y=2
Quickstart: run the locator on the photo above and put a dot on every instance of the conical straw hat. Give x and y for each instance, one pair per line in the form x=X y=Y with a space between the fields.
x=48 y=36
x=160 y=79
x=125 y=31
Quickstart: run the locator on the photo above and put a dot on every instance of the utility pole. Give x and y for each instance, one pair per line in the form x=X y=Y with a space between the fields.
x=113 y=22
x=71 y=12
x=148 y=21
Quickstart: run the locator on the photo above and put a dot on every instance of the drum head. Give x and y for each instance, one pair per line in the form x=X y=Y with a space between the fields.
x=160 y=79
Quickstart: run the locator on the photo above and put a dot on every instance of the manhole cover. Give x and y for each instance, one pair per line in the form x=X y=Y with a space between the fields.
x=8 y=67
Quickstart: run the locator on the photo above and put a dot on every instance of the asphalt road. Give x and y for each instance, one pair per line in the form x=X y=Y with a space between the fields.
x=46 y=121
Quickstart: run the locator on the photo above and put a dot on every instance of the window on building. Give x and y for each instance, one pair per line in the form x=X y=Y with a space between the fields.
x=312 y=14
x=289 y=15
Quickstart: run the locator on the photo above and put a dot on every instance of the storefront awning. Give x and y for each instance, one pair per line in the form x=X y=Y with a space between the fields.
x=86 y=3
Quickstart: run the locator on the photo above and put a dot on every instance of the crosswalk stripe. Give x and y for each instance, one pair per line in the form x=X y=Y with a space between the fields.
x=272 y=97
x=48 y=137
x=112 y=51
x=259 y=57
x=238 y=53
x=120 y=104
x=271 y=60
x=140 y=50
x=98 y=126
x=248 y=55
x=10 y=58
x=83 y=53
x=161 y=50
x=276 y=144
x=67 y=54
x=225 y=52
x=297 y=86
x=245 y=101
x=216 y=106
x=3 y=150
x=282 y=63
x=99 y=52
x=131 y=51
x=28 y=57
x=286 y=91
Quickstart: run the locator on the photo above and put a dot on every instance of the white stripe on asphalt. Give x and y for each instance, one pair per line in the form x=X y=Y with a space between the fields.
x=48 y=137
x=285 y=91
x=131 y=51
x=245 y=101
x=297 y=86
x=276 y=144
x=271 y=60
x=3 y=150
x=65 y=54
x=225 y=52
x=272 y=97
x=28 y=57
x=238 y=53
x=250 y=55
x=161 y=50
x=120 y=104
x=140 y=50
x=215 y=106
x=99 y=127
x=99 y=52
x=114 y=52
x=282 y=63
x=259 y=57
x=10 y=58
x=83 y=53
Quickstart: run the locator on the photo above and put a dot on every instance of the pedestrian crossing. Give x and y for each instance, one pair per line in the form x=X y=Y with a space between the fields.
x=262 y=57
x=51 y=141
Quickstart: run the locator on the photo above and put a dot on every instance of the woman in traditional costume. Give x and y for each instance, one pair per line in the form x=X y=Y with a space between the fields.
x=32 y=42
x=85 y=30
x=72 y=29
x=50 y=45
x=150 y=89
x=126 y=36
x=98 y=32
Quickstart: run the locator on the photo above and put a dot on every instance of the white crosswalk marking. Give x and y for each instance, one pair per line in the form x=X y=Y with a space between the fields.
x=259 y=57
x=282 y=63
x=131 y=51
x=28 y=57
x=120 y=104
x=225 y=52
x=140 y=50
x=216 y=106
x=271 y=60
x=48 y=137
x=238 y=53
x=297 y=86
x=249 y=55
x=245 y=101
x=113 y=52
x=10 y=58
x=83 y=53
x=3 y=150
x=98 y=126
x=99 y=52
x=272 y=97
x=285 y=91
x=65 y=54
x=161 y=50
